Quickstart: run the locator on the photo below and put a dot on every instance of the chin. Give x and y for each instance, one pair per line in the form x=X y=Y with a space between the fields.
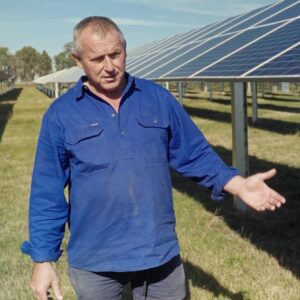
x=111 y=86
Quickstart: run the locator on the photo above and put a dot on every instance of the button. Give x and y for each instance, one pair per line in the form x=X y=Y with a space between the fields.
x=155 y=121
x=122 y=132
x=113 y=115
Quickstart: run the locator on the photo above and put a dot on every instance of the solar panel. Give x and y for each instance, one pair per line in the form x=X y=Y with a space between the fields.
x=264 y=15
x=177 y=57
x=286 y=64
x=222 y=50
x=140 y=61
x=170 y=46
x=222 y=27
x=289 y=13
x=256 y=53
x=238 y=23
x=241 y=46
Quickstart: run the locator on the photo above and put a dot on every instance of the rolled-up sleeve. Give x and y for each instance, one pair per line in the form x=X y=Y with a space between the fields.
x=48 y=208
x=191 y=155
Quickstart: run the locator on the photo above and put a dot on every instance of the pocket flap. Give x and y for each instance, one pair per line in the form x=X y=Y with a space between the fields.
x=153 y=121
x=73 y=137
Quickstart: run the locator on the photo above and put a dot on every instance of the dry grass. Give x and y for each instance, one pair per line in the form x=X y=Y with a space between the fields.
x=226 y=255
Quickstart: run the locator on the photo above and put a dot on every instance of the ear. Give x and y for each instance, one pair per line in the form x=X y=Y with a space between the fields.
x=77 y=60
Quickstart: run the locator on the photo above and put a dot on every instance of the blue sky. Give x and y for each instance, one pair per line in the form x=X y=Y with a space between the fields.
x=47 y=24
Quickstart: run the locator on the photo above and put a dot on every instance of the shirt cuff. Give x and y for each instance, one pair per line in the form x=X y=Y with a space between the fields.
x=218 y=192
x=40 y=255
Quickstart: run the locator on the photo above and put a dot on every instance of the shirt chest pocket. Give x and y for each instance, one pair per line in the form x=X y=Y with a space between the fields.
x=154 y=138
x=87 y=148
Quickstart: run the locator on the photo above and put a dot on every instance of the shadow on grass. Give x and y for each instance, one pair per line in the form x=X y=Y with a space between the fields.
x=206 y=281
x=277 y=233
x=278 y=126
x=198 y=97
x=199 y=278
x=281 y=98
x=7 y=102
x=263 y=106
x=205 y=96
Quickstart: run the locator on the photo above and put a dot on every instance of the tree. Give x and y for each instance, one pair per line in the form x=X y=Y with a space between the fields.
x=27 y=62
x=44 y=64
x=6 y=60
x=63 y=59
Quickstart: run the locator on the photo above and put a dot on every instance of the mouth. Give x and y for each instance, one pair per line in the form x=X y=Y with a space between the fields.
x=110 y=78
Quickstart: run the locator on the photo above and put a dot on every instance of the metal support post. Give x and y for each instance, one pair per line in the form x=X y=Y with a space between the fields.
x=248 y=88
x=263 y=90
x=240 y=133
x=254 y=102
x=180 y=92
x=285 y=87
x=210 y=91
x=205 y=87
x=56 y=88
x=222 y=87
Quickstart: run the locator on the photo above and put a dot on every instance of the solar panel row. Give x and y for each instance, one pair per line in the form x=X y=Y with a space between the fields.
x=212 y=56
x=256 y=53
x=260 y=43
x=285 y=64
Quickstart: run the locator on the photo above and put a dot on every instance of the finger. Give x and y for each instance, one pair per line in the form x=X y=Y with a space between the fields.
x=277 y=197
x=274 y=201
x=39 y=295
x=267 y=175
x=277 y=203
x=57 y=291
x=268 y=206
x=43 y=296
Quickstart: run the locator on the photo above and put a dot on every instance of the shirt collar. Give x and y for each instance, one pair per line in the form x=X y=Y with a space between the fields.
x=80 y=88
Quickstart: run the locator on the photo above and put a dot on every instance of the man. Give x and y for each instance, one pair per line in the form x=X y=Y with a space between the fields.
x=111 y=140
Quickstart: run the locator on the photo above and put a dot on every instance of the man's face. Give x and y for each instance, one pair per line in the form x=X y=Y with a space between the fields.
x=103 y=60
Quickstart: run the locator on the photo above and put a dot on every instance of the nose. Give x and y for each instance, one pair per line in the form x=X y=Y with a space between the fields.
x=108 y=65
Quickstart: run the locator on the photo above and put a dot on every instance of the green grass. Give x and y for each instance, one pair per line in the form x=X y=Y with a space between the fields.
x=227 y=255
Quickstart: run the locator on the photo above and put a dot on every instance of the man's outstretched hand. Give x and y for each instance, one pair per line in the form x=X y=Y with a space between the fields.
x=255 y=192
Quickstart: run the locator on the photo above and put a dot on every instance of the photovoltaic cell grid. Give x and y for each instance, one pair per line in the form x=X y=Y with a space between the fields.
x=256 y=53
x=134 y=65
x=292 y=12
x=233 y=44
x=177 y=58
x=177 y=40
x=238 y=23
x=264 y=15
x=286 y=64
x=242 y=46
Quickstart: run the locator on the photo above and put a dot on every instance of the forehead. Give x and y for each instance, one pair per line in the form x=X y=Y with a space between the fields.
x=93 y=42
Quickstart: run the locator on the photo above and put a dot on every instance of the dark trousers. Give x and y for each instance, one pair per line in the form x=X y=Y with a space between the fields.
x=166 y=282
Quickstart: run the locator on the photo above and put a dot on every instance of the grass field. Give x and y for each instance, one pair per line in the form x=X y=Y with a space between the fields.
x=227 y=255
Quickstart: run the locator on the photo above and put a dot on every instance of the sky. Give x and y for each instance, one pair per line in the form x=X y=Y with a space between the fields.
x=48 y=24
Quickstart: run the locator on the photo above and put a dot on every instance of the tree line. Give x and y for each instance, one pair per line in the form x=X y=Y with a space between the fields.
x=28 y=63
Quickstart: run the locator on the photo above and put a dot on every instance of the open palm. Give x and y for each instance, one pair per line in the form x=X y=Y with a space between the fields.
x=258 y=195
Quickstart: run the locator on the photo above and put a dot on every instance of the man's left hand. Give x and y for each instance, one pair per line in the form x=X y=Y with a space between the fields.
x=255 y=192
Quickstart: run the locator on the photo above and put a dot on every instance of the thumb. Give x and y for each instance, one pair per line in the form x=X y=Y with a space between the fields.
x=57 y=292
x=267 y=175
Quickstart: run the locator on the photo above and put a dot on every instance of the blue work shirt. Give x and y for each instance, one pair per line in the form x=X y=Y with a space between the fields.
x=116 y=166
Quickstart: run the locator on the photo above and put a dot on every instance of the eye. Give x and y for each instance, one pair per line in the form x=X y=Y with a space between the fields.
x=115 y=54
x=97 y=59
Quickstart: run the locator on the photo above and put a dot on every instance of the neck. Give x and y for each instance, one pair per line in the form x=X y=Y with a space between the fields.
x=114 y=94
x=113 y=97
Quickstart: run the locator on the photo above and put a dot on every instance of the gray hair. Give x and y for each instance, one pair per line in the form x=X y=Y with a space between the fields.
x=99 y=25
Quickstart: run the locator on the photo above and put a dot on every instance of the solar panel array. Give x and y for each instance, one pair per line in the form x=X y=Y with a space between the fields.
x=262 y=43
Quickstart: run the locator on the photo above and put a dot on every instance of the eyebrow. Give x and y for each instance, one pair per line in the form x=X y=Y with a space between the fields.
x=116 y=50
